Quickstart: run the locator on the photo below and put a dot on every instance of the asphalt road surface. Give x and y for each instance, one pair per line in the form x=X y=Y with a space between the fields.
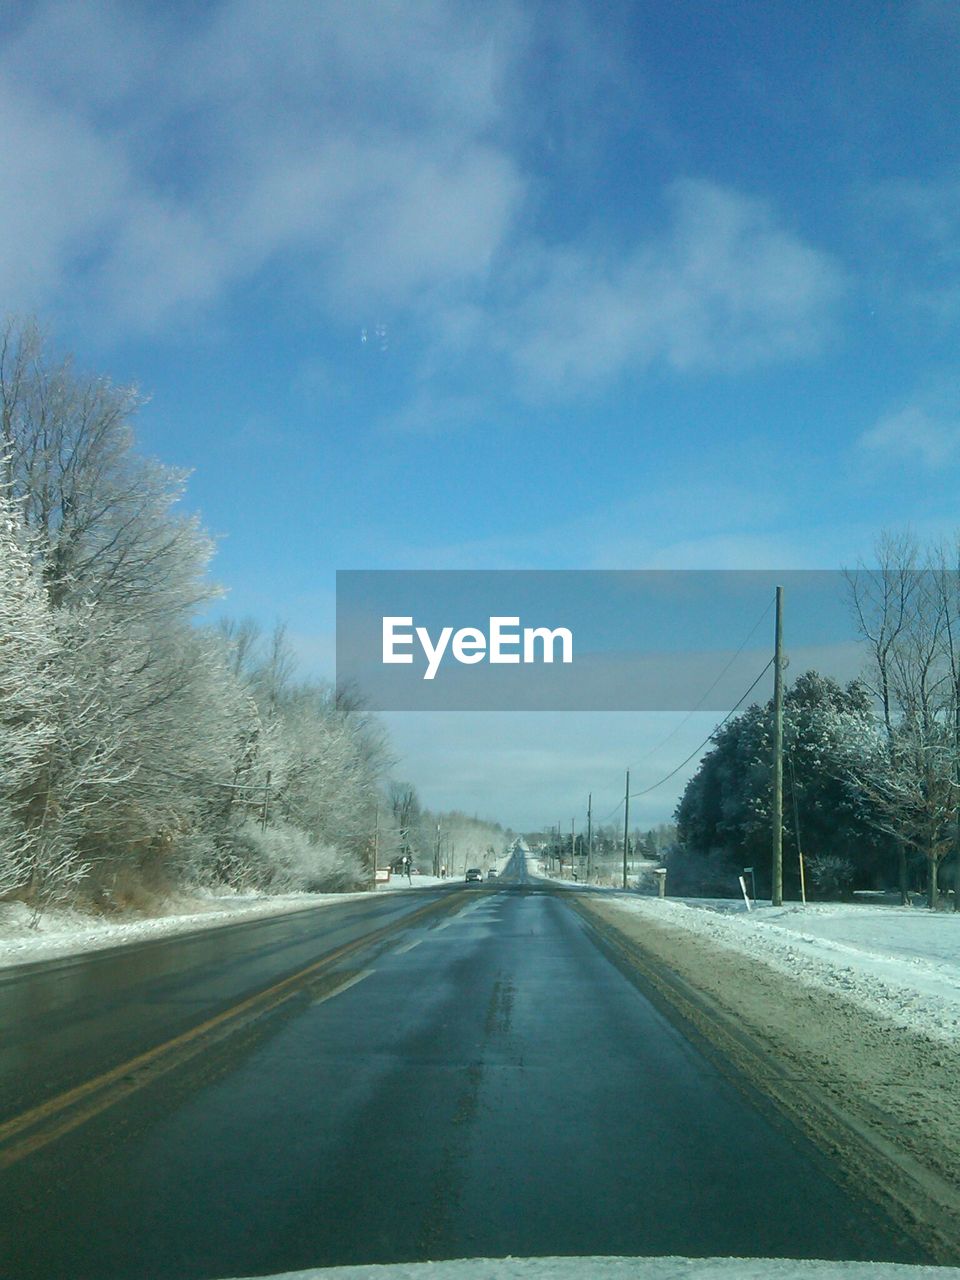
x=453 y=1073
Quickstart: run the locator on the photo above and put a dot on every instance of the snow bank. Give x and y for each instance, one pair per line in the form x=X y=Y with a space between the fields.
x=901 y=963
x=61 y=932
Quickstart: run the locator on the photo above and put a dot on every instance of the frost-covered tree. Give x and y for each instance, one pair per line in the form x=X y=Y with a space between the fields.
x=405 y=808
x=121 y=572
x=28 y=712
x=59 y=759
x=102 y=516
x=465 y=840
x=906 y=778
x=137 y=749
x=302 y=812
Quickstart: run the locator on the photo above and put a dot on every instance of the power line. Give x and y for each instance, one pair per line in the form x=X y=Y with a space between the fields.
x=676 y=729
x=673 y=732
x=612 y=813
x=667 y=777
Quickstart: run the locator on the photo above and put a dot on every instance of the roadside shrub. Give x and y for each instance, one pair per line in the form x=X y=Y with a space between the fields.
x=645 y=879
x=831 y=875
x=282 y=859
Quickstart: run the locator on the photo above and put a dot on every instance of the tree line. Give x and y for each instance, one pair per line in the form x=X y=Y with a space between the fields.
x=598 y=857
x=872 y=770
x=139 y=751
x=438 y=843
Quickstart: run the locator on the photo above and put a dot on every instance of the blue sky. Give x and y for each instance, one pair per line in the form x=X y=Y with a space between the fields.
x=642 y=285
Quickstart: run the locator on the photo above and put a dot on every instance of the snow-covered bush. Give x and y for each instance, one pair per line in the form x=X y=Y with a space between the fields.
x=283 y=859
x=831 y=876
x=645 y=876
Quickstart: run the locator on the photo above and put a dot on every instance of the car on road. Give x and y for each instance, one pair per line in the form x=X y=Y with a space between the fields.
x=492 y=875
x=473 y=874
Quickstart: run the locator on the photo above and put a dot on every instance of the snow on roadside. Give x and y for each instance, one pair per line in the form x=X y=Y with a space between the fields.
x=898 y=962
x=62 y=932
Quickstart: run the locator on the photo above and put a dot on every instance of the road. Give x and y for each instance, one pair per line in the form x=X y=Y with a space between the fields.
x=458 y=1072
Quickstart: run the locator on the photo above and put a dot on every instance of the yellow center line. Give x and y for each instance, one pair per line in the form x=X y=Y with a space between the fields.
x=120 y=1081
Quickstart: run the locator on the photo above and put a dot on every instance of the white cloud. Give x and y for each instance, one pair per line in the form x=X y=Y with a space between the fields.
x=429 y=223
x=86 y=55
x=428 y=414
x=431 y=66
x=356 y=137
x=915 y=433
x=60 y=184
x=725 y=287
x=929 y=211
x=155 y=161
x=717 y=523
x=913 y=236
x=164 y=259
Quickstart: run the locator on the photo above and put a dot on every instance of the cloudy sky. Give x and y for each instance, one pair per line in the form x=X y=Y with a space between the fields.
x=532 y=285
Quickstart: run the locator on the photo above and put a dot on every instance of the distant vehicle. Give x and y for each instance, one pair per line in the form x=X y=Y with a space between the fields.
x=473 y=873
x=492 y=875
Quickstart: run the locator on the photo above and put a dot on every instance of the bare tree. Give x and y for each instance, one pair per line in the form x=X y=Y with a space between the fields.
x=907 y=611
x=405 y=807
x=882 y=602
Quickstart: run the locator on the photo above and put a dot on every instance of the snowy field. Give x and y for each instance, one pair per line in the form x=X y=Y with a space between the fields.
x=902 y=963
x=63 y=933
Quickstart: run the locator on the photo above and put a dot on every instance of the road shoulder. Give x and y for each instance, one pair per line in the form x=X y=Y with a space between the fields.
x=880 y=1100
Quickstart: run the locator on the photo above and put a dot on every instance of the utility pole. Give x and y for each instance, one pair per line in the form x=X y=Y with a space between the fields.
x=776 y=895
x=376 y=846
x=590 y=836
x=573 y=849
x=626 y=827
x=436 y=859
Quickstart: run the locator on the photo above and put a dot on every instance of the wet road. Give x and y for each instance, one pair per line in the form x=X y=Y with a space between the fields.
x=66 y=1021
x=481 y=1081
